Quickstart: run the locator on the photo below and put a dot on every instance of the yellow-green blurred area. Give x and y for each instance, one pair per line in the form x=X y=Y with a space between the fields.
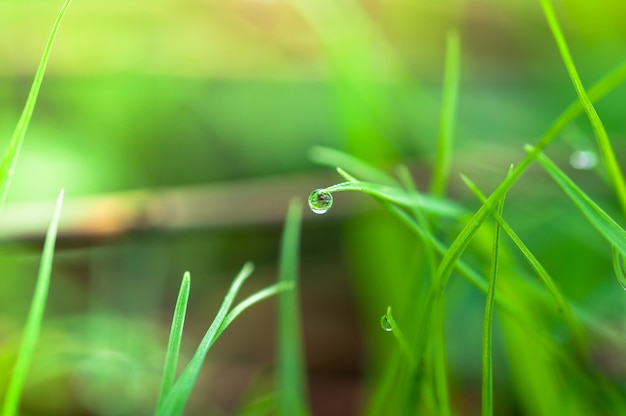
x=181 y=129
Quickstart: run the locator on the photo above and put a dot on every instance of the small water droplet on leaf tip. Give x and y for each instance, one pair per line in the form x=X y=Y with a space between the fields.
x=320 y=201
x=385 y=324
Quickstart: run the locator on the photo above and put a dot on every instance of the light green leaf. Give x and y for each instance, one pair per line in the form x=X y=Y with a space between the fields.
x=176 y=333
x=292 y=398
x=34 y=320
x=401 y=197
x=7 y=167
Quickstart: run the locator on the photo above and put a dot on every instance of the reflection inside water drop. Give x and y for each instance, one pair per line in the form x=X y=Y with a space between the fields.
x=320 y=201
x=385 y=324
x=583 y=159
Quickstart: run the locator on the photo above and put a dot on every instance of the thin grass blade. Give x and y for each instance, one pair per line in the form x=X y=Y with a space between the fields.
x=606 y=225
x=176 y=333
x=388 y=323
x=440 y=373
x=176 y=400
x=35 y=318
x=464 y=237
x=606 y=150
x=441 y=171
x=487 y=358
x=256 y=297
x=400 y=197
x=562 y=305
x=9 y=160
x=291 y=378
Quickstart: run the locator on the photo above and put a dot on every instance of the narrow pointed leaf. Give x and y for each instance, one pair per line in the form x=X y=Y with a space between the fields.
x=35 y=318
x=176 y=333
x=9 y=160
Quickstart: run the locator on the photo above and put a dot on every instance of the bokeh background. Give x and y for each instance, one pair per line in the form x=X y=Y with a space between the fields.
x=181 y=129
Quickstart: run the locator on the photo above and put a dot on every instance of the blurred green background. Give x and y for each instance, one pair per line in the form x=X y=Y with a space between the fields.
x=180 y=130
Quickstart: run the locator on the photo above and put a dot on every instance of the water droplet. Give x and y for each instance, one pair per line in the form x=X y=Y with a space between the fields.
x=320 y=201
x=583 y=160
x=385 y=323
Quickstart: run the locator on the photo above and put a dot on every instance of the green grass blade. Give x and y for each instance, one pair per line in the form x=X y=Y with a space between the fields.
x=175 y=401
x=256 y=297
x=606 y=225
x=487 y=347
x=440 y=376
x=440 y=365
x=176 y=333
x=388 y=323
x=400 y=197
x=464 y=237
x=35 y=317
x=291 y=378
x=448 y=110
x=562 y=305
x=9 y=160
x=618 y=265
x=606 y=150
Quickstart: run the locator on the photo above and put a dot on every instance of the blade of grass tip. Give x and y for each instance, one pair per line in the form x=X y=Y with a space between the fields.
x=256 y=297
x=174 y=402
x=487 y=359
x=9 y=160
x=448 y=109
x=176 y=334
x=606 y=150
x=389 y=324
x=562 y=305
x=291 y=378
x=34 y=320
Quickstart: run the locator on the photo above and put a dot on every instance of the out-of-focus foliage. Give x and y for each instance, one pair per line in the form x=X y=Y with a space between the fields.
x=152 y=94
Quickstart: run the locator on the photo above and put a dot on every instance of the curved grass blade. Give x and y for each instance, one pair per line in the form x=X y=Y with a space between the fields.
x=448 y=109
x=176 y=333
x=389 y=324
x=9 y=160
x=291 y=378
x=35 y=317
x=562 y=305
x=464 y=237
x=606 y=150
x=606 y=225
x=401 y=197
x=175 y=401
